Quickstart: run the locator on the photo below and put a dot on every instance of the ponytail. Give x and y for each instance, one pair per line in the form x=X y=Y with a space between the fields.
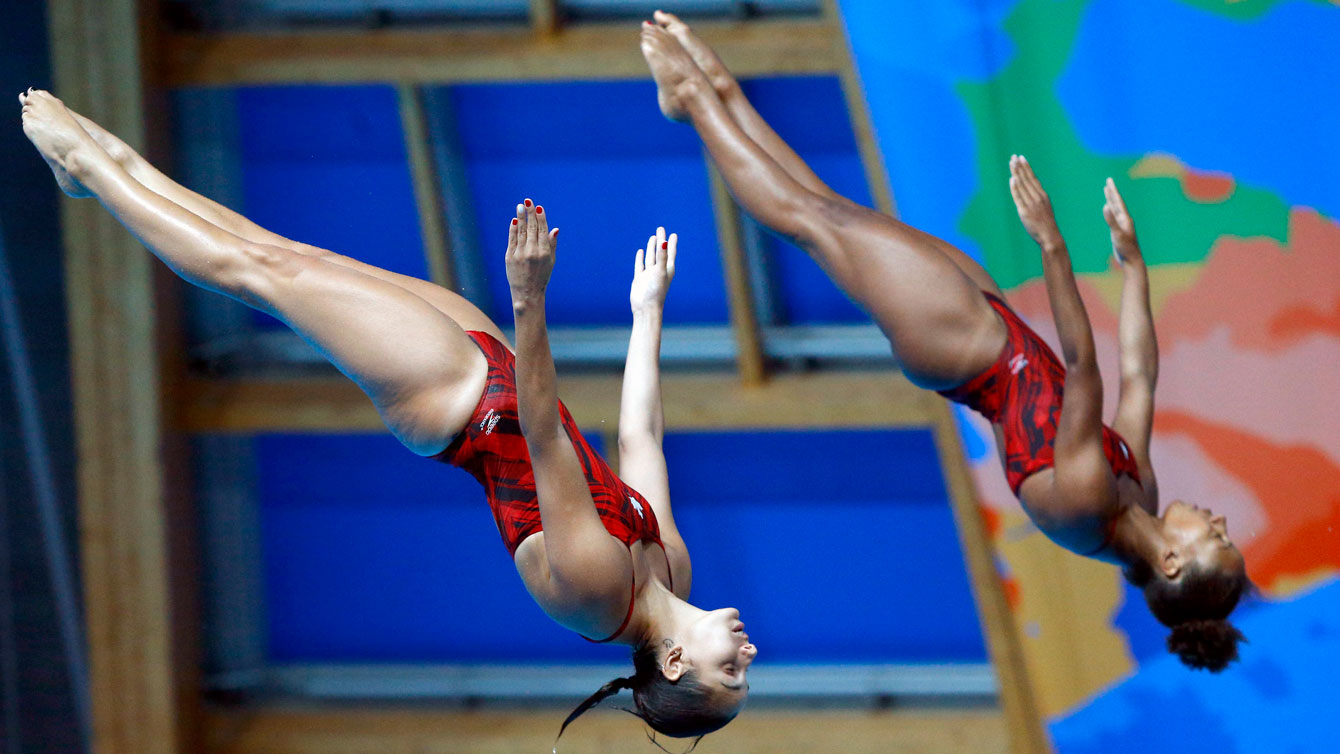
x=606 y=691
x=684 y=708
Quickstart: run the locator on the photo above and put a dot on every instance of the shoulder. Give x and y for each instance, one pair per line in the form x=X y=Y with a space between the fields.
x=592 y=599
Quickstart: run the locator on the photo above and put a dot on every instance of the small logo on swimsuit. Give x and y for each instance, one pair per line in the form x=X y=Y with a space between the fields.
x=1017 y=363
x=489 y=421
x=637 y=507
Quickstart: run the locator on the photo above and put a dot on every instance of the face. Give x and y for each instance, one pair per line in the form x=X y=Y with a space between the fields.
x=1201 y=537
x=717 y=647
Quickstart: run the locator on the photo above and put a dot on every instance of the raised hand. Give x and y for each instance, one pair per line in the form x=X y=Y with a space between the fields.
x=653 y=269
x=530 y=254
x=1125 y=247
x=1035 y=208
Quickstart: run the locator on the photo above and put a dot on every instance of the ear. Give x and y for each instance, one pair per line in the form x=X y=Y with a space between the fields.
x=1170 y=562
x=675 y=666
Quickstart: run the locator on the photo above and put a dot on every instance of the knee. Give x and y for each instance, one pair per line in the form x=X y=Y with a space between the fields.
x=258 y=271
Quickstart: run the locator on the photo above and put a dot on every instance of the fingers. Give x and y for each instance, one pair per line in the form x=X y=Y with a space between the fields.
x=1030 y=188
x=512 y=232
x=532 y=226
x=670 y=254
x=660 y=245
x=652 y=251
x=1114 y=196
x=520 y=225
x=541 y=220
x=1110 y=216
x=638 y=261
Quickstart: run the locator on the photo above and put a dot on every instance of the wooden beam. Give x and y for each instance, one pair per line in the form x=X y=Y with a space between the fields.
x=1018 y=697
x=427 y=194
x=586 y=51
x=739 y=291
x=692 y=401
x=276 y=729
x=143 y=667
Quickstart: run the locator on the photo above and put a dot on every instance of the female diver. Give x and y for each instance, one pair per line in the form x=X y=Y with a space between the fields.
x=1088 y=489
x=597 y=556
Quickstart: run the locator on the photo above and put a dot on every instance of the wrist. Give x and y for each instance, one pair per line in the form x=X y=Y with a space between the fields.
x=527 y=302
x=647 y=313
x=1053 y=245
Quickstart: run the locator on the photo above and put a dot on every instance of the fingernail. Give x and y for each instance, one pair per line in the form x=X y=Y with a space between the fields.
x=514 y=221
x=665 y=245
x=527 y=202
x=539 y=210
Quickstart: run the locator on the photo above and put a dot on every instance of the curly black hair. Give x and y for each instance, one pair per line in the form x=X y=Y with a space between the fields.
x=1195 y=605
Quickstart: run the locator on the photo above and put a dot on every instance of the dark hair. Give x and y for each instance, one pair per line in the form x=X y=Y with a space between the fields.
x=1196 y=607
x=682 y=708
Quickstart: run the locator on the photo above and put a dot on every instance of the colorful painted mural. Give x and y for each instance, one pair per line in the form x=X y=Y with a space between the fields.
x=1220 y=126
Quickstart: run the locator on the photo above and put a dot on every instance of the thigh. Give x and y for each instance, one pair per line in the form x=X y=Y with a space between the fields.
x=941 y=328
x=421 y=370
x=450 y=303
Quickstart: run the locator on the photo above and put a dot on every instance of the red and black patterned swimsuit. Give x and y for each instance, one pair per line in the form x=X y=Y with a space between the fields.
x=492 y=449
x=1022 y=393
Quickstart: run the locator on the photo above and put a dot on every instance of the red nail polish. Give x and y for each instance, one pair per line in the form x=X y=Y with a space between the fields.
x=527 y=202
x=539 y=210
x=514 y=221
x=665 y=245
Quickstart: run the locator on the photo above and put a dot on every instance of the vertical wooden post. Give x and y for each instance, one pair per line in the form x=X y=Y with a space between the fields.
x=1018 y=698
x=544 y=16
x=427 y=196
x=142 y=662
x=744 y=319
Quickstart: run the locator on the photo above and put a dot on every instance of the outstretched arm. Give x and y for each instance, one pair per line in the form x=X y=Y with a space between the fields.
x=588 y=569
x=1080 y=464
x=1139 y=345
x=641 y=419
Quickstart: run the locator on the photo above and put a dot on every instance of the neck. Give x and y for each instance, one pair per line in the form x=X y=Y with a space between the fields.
x=657 y=613
x=1137 y=536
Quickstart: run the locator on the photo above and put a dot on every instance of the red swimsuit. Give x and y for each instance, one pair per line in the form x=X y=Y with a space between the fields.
x=1022 y=393
x=492 y=448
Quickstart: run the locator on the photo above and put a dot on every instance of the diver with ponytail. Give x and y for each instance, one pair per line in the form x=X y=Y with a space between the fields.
x=599 y=552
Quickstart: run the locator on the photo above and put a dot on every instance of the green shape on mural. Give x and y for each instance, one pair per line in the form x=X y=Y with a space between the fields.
x=1242 y=10
x=1018 y=112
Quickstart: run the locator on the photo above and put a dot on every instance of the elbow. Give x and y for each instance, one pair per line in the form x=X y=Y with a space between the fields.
x=633 y=440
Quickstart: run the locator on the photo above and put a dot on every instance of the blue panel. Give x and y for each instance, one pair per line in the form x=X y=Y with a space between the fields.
x=326 y=165
x=1279 y=697
x=835 y=546
x=373 y=554
x=608 y=169
x=810 y=114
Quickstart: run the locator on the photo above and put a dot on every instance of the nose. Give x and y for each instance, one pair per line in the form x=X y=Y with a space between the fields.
x=749 y=651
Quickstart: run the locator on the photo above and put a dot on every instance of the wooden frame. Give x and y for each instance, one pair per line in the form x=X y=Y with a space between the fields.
x=134 y=521
x=586 y=51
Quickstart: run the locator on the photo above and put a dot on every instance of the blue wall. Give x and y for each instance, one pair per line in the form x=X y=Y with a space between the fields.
x=374 y=554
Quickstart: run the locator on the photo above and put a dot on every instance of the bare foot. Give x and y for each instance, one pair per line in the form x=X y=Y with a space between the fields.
x=56 y=135
x=672 y=68
x=111 y=143
x=706 y=58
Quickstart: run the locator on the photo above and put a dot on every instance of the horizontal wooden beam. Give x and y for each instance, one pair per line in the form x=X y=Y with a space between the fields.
x=290 y=729
x=584 y=51
x=692 y=401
